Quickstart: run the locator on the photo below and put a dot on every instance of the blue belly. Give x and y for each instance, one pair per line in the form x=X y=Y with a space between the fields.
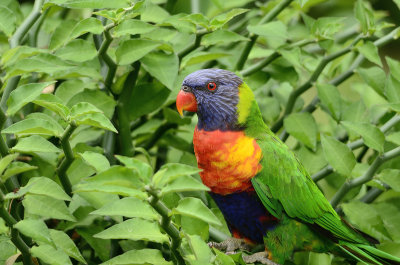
x=245 y=213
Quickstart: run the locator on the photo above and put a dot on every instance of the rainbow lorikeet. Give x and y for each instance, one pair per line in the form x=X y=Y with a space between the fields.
x=261 y=188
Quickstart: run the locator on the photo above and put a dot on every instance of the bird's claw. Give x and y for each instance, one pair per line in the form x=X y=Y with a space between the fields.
x=230 y=245
x=261 y=257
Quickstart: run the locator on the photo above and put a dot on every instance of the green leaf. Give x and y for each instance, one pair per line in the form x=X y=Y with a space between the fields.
x=132 y=27
x=162 y=66
x=200 y=249
x=172 y=171
x=141 y=256
x=275 y=32
x=391 y=177
x=365 y=16
x=16 y=168
x=221 y=36
x=394 y=67
x=61 y=33
x=91 y=24
x=183 y=26
x=93 y=4
x=197 y=19
x=154 y=13
x=50 y=255
x=128 y=207
x=42 y=63
x=201 y=57
x=372 y=136
x=53 y=103
x=5 y=161
x=375 y=77
x=23 y=95
x=302 y=126
x=392 y=89
x=145 y=170
x=134 y=229
x=7 y=20
x=65 y=243
x=184 y=183
x=98 y=120
x=194 y=207
x=220 y=20
x=40 y=205
x=146 y=98
x=331 y=100
x=117 y=175
x=34 y=143
x=96 y=160
x=364 y=217
x=370 y=51
x=41 y=186
x=20 y=52
x=130 y=51
x=339 y=155
x=77 y=51
x=35 y=126
x=95 y=97
x=393 y=137
x=327 y=27
x=83 y=108
x=35 y=229
x=109 y=188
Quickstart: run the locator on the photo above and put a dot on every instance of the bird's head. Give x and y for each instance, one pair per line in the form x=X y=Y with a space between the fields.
x=218 y=96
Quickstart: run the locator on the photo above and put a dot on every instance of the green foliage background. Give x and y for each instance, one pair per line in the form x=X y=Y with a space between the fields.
x=98 y=167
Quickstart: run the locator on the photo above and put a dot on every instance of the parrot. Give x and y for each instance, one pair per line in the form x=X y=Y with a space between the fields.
x=262 y=189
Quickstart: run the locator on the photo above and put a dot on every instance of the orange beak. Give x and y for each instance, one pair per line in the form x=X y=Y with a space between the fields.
x=186 y=101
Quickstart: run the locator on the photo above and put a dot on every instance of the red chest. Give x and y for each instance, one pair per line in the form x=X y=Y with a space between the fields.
x=229 y=159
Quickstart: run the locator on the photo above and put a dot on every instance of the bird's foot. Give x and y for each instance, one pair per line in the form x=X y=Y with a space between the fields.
x=230 y=245
x=261 y=257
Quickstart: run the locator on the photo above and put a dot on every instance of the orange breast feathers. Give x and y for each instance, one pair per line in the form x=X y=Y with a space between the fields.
x=229 y=160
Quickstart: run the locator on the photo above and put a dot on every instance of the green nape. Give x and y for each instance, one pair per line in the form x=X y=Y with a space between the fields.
x=248 y=112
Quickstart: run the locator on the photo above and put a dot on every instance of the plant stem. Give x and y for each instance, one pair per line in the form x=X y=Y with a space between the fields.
x=260 y=65
x=267 y=18
x=310 y=82
x=15 y=237
x=166 y=224
x=354 y=145
x=124 y=137
x=102 y=53
x=368 y=175
x=69 y=158
x=12 y=83
x=27 y=24
x=357 y=62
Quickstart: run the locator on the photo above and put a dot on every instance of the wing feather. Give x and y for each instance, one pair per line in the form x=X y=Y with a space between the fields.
x=284 y=184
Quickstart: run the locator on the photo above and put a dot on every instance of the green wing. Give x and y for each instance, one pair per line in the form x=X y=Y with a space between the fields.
x=283 y=184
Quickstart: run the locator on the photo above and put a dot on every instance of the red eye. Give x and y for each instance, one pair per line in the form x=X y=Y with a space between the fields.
x=211 y=86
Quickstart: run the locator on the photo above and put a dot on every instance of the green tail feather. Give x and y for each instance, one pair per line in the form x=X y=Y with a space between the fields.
x=368 y=254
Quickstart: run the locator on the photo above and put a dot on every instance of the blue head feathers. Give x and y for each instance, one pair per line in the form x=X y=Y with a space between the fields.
x=217 y=96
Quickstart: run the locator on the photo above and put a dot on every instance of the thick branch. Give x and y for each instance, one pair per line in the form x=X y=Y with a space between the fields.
x=15 y=237
x=354 y=145
x=310 y=82
x=27 y=24
x=102 y=53
x=69 y=158
x=267 y=18
x=357 y=62
x=368 y=175
x=166 y=224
